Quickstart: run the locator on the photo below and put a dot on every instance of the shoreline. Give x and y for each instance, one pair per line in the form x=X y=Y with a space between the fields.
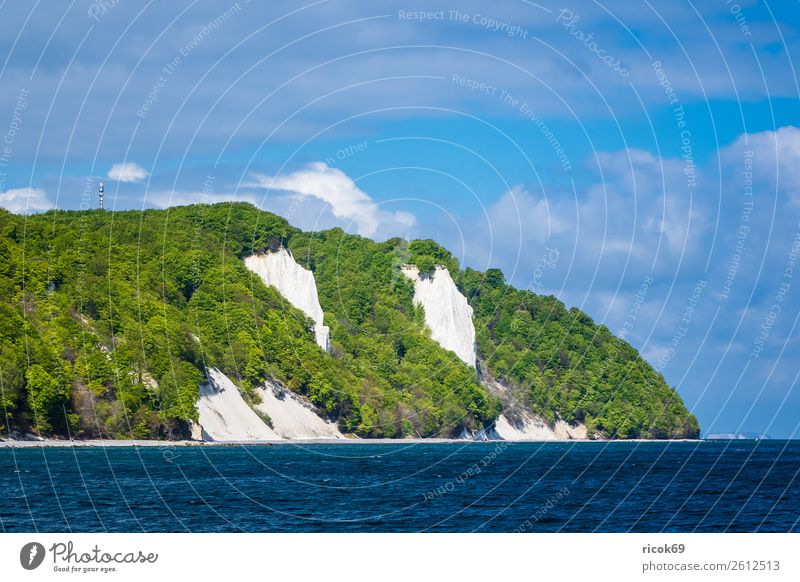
x=55 y=443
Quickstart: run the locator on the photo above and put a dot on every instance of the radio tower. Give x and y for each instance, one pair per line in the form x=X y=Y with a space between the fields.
x=100 y=190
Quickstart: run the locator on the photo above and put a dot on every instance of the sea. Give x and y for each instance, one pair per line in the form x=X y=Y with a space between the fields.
x=693 y=486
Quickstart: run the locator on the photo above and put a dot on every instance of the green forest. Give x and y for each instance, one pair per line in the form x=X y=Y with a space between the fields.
x=108 y=321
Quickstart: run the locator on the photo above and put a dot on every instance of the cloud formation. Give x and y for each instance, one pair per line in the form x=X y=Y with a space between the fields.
x=127 y=172
x=634 y=217
x=775 y=160
x=347 y=202
x=25 y=200
x=351 y=45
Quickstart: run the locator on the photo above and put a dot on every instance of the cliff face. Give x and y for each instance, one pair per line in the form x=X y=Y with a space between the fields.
x=533 y=428
x=295 y=283
x=447 y=312
x=225 y=416
x=292 y=417
x=450 y=319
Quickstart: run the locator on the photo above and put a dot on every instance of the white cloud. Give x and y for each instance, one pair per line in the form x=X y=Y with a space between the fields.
x=518 y=207
x=347 y=202
x=24 y=200
x=635 y=219
x=127 y=172
x=775 y=161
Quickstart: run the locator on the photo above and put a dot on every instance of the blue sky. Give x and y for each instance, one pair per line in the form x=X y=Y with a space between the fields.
x=653 y=148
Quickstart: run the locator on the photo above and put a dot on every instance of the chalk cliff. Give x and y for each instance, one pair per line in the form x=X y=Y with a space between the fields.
x=518 y=423
x=528 y=427
x=447 y=312
x=225 y=416
x=296 y=284
x=292 y=417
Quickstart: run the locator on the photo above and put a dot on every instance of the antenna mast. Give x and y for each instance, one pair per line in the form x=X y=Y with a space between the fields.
x=100 y=190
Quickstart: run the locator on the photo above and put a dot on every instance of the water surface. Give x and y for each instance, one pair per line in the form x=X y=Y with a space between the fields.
x=740 y=486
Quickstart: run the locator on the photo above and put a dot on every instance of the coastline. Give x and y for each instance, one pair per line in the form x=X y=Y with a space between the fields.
x=55 y=443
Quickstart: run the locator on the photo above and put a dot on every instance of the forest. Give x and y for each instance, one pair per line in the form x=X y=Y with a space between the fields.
x=108 y=321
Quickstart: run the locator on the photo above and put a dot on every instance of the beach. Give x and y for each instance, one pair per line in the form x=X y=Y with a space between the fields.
x=62 y=443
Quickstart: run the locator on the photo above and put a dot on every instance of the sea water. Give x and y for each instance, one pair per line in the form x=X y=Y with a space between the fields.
x=738 y=486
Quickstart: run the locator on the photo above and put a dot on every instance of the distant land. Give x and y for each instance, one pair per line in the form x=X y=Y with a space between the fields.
x=736 y=436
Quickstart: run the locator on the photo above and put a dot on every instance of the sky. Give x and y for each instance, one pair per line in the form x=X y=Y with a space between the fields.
x=638 y=160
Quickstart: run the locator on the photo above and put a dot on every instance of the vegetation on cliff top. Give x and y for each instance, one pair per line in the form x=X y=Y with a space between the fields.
x=108 y=321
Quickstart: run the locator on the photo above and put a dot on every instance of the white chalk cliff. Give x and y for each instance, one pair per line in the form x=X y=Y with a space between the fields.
x=292 y=416
x=447 y=312
x=449 y=316
x=523 y=427
x=518 y=424
x=528 y=427
x=296 y=284
x=225 y=416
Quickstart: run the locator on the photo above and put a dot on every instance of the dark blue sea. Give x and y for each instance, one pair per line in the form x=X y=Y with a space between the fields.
x=712 y=486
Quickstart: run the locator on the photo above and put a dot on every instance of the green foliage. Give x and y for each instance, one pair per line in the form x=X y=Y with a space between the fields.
x=568 y=367
x=108 y=322
x=426 y=254
x=118 y=314
x=390 y=379
x=426 y=264
x=46 y=396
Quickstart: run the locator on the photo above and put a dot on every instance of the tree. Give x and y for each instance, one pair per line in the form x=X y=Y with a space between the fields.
x=46 y=397
x=426 y=265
